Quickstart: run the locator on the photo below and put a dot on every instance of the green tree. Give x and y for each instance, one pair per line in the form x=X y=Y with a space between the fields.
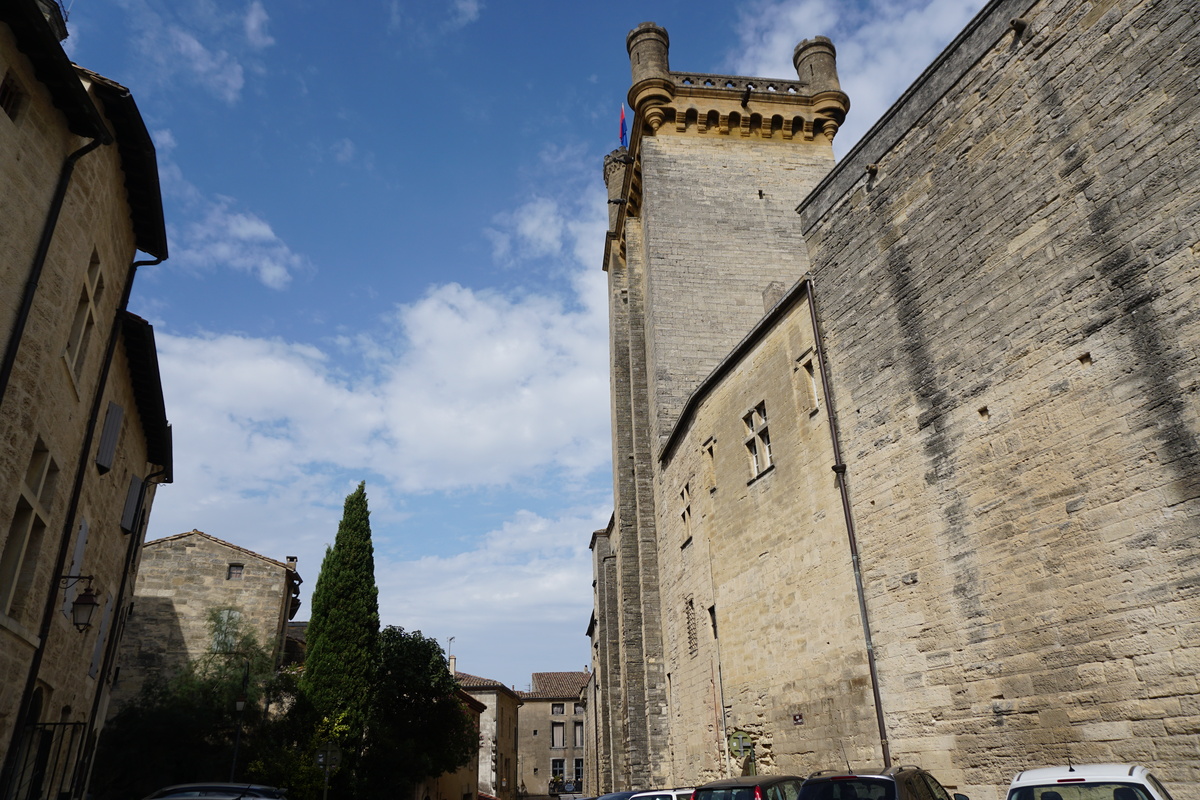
x=181 y=727
x=343 y=630
x=418 y=726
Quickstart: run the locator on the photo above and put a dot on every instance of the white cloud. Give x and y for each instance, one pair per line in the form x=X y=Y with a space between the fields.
x=222 y=237
x=343 y=151
x=255 y=25
x=882 y=46
x=464 y=12
x=218 y=72
x=461 y=392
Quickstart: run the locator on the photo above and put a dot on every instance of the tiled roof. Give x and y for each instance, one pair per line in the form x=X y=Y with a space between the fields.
x=474 y=683
x=557 y=684
x=194 y=532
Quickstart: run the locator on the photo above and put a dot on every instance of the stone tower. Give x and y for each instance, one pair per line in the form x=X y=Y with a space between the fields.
x=702 y=242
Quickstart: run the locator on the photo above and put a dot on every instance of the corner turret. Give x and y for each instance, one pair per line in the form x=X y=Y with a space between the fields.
x=652 y=87
x=815 y=60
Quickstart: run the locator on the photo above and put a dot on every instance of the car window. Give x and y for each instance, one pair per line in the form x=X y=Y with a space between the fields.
x=1106 y=790
x=1158 y=787
x=790 y=790
x=936 y=790
x=849 y=789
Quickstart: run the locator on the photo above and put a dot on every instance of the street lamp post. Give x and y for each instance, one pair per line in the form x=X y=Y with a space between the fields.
x=241 y=709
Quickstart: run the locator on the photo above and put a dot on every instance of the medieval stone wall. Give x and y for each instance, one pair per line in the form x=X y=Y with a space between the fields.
x=46 y=405
x=1005 y=275
x=181 y=582
x=1009 y=305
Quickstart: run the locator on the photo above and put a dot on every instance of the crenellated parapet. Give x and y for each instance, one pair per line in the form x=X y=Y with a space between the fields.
x=810 y=108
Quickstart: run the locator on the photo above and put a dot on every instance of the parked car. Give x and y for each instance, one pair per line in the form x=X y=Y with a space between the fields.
x=213 y=790
x=664 y=794
x=891 y=783
x=617 y=796
x=751 y=787
x=1088 y=782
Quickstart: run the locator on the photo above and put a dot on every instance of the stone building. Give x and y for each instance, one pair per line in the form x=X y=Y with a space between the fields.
x=906 y=455
x=183 y=584
x=497 y=733
x=84 y=438
x=551 y=743
x=462 y=784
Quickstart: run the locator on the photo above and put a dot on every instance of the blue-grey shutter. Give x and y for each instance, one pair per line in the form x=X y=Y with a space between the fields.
x=129 y=517
x=76 y=565
x=108 y=437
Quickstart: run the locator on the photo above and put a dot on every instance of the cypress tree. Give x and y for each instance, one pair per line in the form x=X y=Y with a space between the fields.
x=343 y=629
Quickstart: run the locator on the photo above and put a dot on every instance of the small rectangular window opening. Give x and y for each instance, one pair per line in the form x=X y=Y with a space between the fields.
x=235 y=572
x=11 y=96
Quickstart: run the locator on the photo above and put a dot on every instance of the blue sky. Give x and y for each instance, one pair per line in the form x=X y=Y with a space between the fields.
x=386 y=221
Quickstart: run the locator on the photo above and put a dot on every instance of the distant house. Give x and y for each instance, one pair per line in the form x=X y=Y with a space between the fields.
x=182 y=582
x=84 y=437
x=462 y=784
x=550 y=742
x=497 y=733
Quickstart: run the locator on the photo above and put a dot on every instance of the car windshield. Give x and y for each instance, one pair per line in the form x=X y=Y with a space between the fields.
x=849 y=789
x=726 y=793
x=1098 y=790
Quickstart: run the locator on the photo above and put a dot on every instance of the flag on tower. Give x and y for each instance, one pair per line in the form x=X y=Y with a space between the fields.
x=624 y=141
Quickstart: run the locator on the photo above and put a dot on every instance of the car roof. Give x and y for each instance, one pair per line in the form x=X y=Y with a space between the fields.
x=866 y=772
x=748 y=780
x=653 y=792
x=1092 y=772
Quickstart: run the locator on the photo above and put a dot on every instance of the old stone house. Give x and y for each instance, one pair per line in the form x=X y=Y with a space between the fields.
x=906 y=448
x=551 y=742
x=497 y=732
x=84 y=438
x=463 y=783
x=185 y=584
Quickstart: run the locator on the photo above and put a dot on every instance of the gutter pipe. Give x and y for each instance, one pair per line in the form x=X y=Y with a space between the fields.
x=839 y=467
x=39 y=259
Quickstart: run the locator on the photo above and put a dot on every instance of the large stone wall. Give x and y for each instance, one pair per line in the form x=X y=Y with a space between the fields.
x=48 y=405
x=1004 y=272
x=1009 y=305
x=181 y=581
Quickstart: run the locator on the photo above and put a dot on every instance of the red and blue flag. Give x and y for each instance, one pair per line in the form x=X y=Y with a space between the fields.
x=624 y=140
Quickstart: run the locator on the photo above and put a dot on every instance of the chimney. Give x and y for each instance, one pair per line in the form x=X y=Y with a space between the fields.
x=453 y=666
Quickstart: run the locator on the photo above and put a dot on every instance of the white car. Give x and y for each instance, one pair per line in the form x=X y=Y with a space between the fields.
x=1088 y=782
x=664 y=794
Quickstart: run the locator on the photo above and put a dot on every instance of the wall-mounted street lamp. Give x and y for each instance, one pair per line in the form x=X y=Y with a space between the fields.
x=84 y=606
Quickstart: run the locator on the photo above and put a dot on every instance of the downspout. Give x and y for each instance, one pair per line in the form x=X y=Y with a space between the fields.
x=22 y=719
x=839 y=467
x=39 y=259
x=136 y=537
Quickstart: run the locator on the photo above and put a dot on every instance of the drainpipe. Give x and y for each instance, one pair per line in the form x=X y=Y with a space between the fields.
x=839 y=467
x=39 y=259
x=22 y=720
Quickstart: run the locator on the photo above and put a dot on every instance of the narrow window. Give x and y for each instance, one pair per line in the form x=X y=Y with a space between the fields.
x=85 y=318
x=578 y=770
x=11 y=96
x=758 y=440
x=579 y=734
x=558 y=736
x=685 y=500
x=556 y=767
x=808 y=374
x=689 y=621
x=26 y=530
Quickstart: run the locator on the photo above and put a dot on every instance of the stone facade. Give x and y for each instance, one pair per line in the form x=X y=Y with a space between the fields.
x=937 y=503
x=463 y=783
x=497 y=733
x=181 y=581
x=551 y=729
x=84 y=438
